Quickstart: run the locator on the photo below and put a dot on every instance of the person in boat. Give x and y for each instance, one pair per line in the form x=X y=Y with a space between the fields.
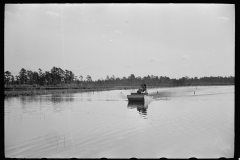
x=142 y=89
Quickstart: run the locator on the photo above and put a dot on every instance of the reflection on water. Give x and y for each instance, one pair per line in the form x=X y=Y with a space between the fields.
x=55 y=98
x=140 y=106
x=58 y=98
x=55 y=102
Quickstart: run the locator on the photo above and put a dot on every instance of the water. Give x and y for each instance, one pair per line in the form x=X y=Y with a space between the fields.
x=173 y=123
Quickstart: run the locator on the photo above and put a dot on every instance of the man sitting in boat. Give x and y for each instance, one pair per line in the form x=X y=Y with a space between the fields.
x=142 y=89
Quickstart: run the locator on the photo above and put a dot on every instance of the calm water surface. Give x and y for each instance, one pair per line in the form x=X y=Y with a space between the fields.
x=173 y=123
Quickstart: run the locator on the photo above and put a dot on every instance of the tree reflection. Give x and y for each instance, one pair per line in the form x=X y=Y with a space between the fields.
x=58 y=98
x=55 y=98
x=35 y=104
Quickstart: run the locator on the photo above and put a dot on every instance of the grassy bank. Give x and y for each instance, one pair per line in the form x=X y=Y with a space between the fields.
x=14 y=91
x=27 y=91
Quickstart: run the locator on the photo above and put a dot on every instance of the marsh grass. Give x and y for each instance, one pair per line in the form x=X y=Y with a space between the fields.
x=31 y=90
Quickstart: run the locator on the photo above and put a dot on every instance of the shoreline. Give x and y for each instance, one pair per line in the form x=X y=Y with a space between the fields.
x=15 y=92
x=55 y=90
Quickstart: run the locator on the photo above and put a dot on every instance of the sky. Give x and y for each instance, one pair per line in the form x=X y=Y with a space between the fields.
x=173 y=40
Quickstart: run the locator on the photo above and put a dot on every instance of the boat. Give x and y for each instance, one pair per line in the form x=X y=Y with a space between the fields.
x=135 y=97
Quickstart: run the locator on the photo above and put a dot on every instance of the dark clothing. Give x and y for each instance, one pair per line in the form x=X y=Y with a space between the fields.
x=142 y=89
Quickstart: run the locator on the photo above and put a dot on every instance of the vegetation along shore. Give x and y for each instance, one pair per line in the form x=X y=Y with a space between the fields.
x=58 y=81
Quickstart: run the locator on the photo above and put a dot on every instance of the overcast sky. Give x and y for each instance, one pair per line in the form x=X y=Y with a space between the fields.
x=173 y=40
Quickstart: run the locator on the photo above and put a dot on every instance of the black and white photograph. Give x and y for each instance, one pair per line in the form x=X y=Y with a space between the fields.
x=119 y=80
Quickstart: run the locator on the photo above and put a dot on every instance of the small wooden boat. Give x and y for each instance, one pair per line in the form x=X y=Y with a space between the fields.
x=135 y=97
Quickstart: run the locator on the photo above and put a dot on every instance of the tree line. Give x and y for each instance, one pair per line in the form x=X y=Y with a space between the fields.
x=57 y=76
